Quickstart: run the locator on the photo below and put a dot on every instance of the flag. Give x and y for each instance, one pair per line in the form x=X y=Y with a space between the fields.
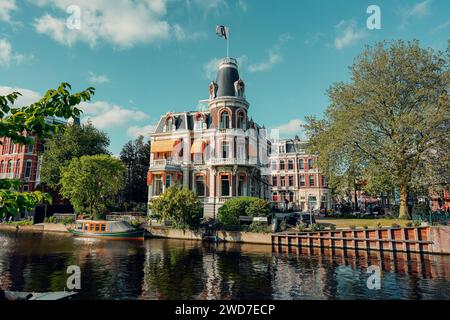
x=222 y=31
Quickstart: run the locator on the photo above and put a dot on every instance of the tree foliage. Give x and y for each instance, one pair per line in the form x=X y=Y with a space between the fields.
x=136 y=157
x=31 y=119
x=181 y=206
x=90 y=182
x=74 y=142
x=233 y=208
x=385 y=126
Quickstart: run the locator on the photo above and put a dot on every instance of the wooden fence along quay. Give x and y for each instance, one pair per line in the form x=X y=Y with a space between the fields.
x=412 y=239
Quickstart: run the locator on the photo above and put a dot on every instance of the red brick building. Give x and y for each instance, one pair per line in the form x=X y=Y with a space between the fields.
x=22 y=162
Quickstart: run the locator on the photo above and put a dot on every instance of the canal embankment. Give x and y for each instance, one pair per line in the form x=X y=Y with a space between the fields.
x=434 y=240
x=39 y=227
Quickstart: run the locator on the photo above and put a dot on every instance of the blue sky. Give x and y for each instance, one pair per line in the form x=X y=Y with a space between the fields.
x=152 y=56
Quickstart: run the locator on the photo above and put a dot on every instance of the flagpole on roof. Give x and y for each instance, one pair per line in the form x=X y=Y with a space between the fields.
x=228 y=42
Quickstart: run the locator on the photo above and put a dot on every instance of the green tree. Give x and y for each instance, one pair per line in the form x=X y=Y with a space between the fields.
x=90 y=182
x=386 y=123
x=180 y=206
x=31 y=119
x=136 y=157
x=74 y=142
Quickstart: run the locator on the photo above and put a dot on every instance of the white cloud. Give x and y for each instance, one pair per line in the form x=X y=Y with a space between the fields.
x=136 y=131
x=7 y=55
x=347 y=34
x=181 y=35
x=6 y=7
x=122 y=23
x=419 y=10
x=28 y=96
x=104 y=115
x=274 y=57
x=98 y=79
x=291 y=128
x=210 y=68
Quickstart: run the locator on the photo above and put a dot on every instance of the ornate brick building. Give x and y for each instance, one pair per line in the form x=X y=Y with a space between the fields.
x=296 y=182
x=218 y=151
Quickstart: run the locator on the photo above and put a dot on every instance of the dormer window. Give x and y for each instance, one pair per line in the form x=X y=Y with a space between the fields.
x=199 y=123
x=224 y=120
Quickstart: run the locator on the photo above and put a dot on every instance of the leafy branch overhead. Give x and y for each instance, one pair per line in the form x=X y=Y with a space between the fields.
x=20 y=123
x=14 y=121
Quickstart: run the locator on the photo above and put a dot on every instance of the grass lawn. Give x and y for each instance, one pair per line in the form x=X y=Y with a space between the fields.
x=343 y=222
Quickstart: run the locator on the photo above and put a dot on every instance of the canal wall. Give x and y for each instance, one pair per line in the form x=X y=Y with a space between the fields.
x=411 y=239
x=40 y=227
x=226 y=236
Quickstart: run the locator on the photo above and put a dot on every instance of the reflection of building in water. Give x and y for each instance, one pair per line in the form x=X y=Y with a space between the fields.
x=213 y=281
x=299 y=278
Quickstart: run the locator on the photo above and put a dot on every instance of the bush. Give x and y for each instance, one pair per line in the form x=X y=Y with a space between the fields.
x=365 y=227
x=229 y=213
x=301 y=227
x=51 y=219
x=379 y=225
x=352 y=227
x=135 y=223
x=417 y=223
x=314 y=227
x=21 y=223
x=332 y=227
x=260 y=227
x=395 y=225
x=409 y=224
x=178 y=205
x=258 y=208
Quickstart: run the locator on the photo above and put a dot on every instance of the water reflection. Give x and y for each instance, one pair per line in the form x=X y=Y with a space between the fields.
x=173 y=269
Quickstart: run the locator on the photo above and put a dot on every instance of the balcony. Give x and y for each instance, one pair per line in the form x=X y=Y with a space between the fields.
x=231 y=161
x=165 y=164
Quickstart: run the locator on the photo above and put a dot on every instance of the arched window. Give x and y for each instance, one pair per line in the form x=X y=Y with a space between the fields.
x=241 y=120
x=28 y=169
x=9 y=170
x=11 y=147
x=200 y=186
x=224 y=120
x=1 y=166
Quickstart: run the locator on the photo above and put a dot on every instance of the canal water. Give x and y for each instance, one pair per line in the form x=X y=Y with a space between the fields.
x=177 y=269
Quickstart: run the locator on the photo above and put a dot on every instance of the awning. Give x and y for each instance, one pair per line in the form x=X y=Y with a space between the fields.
x=197 y=146
x=162 y=146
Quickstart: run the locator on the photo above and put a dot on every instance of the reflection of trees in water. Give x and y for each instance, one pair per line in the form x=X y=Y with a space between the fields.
x=245 y=276
x=174 y=273
x=113 y=270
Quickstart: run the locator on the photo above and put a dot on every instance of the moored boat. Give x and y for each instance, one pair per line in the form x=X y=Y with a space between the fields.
x=114 y=230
